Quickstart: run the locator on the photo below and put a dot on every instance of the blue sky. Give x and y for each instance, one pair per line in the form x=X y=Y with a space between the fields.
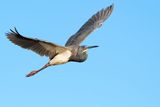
x=123 y=72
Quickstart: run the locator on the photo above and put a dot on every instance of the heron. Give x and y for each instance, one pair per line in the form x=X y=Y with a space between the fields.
x=72 y=51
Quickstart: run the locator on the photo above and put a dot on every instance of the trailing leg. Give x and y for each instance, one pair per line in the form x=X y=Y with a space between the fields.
x=36 y=71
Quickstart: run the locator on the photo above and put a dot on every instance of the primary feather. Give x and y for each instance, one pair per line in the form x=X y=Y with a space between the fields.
x=94 y=22
x=42 y=48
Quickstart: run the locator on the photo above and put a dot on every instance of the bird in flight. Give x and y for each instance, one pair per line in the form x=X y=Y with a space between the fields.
x=72 y=51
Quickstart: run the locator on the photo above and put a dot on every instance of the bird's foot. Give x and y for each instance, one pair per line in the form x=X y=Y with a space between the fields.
x=31 y=73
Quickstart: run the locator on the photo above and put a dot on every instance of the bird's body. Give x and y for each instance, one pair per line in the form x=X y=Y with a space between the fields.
x=61 y=58
x=72 y=51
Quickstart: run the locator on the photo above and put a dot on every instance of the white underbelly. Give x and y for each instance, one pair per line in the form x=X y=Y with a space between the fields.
x=61 y=58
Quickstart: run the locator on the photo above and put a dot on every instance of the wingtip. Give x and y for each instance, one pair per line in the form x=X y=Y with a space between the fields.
x=111 y=6
x=12 y=33
x=9 y=32
x=15 y=31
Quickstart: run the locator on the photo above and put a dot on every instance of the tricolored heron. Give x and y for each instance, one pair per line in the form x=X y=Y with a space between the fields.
x=72 y=51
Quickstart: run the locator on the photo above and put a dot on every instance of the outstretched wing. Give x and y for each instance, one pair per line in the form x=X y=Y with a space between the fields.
x=40 y=47
x=94 y=22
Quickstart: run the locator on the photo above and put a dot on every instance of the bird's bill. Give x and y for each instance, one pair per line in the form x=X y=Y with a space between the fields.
x=90 y=47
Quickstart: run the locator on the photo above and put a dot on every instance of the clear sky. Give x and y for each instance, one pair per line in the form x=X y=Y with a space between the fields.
x=123 y=72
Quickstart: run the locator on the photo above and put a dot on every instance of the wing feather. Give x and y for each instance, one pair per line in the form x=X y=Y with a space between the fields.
x=94 y=22
x=40 y=47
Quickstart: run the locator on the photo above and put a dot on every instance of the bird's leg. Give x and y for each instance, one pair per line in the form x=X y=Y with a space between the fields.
x=36 y=71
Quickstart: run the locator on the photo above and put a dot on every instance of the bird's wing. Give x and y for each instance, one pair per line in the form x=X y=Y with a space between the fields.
x=94 y=22
x=40 y=47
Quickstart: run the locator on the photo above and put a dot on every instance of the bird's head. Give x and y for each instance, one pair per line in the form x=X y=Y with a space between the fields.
x=82 y=52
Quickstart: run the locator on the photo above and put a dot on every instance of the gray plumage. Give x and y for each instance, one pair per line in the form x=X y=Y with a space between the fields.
x=72 y=51
x=94 y=22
